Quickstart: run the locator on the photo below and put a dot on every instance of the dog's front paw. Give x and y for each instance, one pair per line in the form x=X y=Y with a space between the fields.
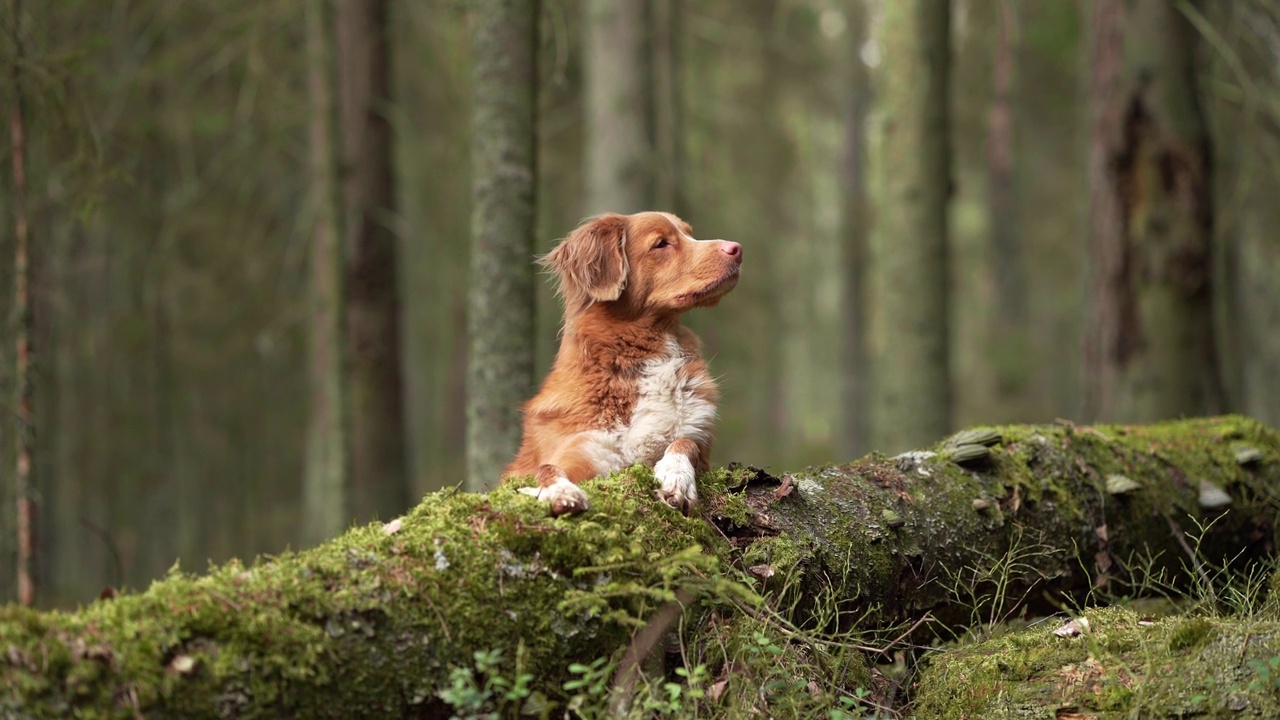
x=565 y=497
x=677 y=481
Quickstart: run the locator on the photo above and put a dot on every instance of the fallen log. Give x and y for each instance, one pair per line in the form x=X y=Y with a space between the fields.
x=386 y=620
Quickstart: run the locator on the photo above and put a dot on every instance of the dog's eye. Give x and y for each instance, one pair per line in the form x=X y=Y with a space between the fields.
x=662 y=242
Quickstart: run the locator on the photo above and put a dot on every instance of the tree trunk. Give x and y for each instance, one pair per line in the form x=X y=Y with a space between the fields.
x=770 y=166
x=379 y=466
x=371 y=623
x=909 y=337
x=1245 y=140
x=668 y=18
x=618 y=83
x=500 y=324
x=855 y=418
x=1149 y=349
x=1010 y=330
x=326 y=504
x=1002 y=206
x=24 y=333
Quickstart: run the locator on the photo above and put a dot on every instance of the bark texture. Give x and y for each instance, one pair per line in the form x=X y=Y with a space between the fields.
x=1150 y=351
x=379 y=463
x=668 y=18
x=326 y=502
x=908 y=244
x=855 y=221
x=1009 y=325
x=618 y=82
x=371 y=623
x=24 y=333
x=1002 y=199
x=500 y=324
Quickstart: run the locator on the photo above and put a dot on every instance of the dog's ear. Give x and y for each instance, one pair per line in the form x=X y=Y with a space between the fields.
x=591 y=263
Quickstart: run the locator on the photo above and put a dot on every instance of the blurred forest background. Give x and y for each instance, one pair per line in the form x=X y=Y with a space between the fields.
x=1105 y=244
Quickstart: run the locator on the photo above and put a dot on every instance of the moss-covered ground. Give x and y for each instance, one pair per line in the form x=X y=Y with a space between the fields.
x=1123 y=665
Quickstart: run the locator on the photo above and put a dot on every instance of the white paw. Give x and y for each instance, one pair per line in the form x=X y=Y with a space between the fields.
x=677 y=479
x=563 y=495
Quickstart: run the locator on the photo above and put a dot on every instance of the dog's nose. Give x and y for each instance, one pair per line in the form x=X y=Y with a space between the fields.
x=732 y=249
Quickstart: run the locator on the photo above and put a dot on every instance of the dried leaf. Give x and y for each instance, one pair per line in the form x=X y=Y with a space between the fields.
x=1072 y=628
x=1103 y=559
x=784 y=489
x=717 y=689
x=182 y=664
x=1119 y=484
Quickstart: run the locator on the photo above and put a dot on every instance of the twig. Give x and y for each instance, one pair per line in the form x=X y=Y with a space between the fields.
x=642 y=644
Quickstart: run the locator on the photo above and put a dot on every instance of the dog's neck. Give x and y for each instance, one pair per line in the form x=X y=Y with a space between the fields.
x=601 y=333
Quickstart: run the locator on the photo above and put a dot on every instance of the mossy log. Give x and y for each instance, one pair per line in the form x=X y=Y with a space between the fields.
x=371 y=623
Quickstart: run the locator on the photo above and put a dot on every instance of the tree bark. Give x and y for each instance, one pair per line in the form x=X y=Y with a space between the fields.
x=1009 y=324
x=326 y=500
x=379 y=464
x=669 y=131
x=1002 y=208
x=371 y=623
x=1244 y=140
x=855 y=220
x=1149 y=347
x=618 y=75
x=24 y=334
x=910 y=159
x=500 y=323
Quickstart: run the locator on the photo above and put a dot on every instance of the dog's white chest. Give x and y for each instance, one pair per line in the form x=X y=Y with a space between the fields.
x=670 y=404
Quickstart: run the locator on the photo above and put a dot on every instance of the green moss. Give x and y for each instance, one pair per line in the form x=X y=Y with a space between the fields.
x=1190 y=633
x=777 y=673
x=781 y=551
x=1119 y=667
x=719 y=503
x=370 y=619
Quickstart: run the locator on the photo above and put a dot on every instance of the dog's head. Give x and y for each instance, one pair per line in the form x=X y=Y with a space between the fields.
x=645 y=264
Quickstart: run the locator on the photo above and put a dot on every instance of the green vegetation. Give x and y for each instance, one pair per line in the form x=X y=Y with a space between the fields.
x=1123 y=665
x=778 y=598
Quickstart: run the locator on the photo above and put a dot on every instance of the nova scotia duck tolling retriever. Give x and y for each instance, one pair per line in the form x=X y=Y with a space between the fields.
x=629 y=384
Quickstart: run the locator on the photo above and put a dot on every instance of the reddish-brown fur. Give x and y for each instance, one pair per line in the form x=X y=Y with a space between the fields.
x=625 y=281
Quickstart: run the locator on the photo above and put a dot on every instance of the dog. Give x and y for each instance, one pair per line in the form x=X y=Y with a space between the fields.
x=628 y=384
